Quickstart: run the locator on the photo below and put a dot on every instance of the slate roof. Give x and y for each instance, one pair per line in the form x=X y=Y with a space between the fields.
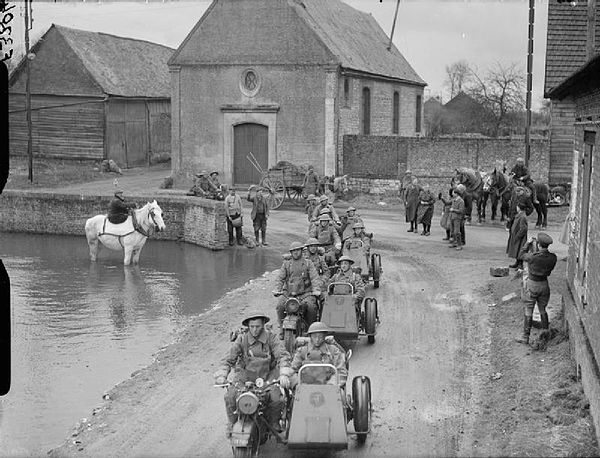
x=566 y=41
x=355 y=38
x=121 y=66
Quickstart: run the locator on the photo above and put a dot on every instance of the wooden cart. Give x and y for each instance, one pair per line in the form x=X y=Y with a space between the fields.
x=283 y=180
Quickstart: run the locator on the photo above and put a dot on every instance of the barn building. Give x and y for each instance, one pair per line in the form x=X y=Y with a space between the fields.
x=582 y=304
x=94 y=96
x=285 y=80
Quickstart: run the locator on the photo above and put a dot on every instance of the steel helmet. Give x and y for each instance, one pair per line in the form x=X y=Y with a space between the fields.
x=323 y=198
x=461 y=188
x=202 y=173
x=318 y=326
x=254 y=316
x=118 y=192
x=350 y=209
x=311 y=197
x=345 y=258
x=325 y=211
x=358 y=225
x=296 y=246
x=312 y=241
x=324 y=218
x=214 y=172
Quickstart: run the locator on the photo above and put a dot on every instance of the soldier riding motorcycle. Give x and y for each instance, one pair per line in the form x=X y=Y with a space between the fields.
x=328 y=238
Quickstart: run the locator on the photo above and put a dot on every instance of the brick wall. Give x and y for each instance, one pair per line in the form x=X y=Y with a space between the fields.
x=188 y=219
x=436 y=159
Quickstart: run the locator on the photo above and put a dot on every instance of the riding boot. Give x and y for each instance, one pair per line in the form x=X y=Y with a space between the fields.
x=411 y=227
x=264 y=237
x=256 y=237
x=527 y=322
x=544 y=318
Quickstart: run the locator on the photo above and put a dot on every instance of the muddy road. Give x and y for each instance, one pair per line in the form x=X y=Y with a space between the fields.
x=427 y=365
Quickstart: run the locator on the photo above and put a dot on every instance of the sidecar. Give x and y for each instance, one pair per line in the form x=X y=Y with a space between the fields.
x=369 y=264
x=321 y=411
x=340 y=314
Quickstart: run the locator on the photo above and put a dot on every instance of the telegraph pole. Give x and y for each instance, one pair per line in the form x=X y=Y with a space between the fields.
x=529 y=78
x=28 y=89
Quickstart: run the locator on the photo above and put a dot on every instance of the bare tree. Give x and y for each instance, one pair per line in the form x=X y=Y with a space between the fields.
x=457 y=76
x=500 y=91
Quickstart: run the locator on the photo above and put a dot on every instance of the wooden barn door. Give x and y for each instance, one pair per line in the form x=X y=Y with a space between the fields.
x=249 y=138
x=127 y=132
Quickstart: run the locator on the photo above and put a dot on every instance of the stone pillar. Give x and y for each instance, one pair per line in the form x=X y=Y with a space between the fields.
x=331 y=86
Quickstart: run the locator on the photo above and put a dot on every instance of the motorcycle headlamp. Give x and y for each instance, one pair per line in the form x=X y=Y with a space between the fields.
x=259 y=382
x=247 y=403
x=292 y=306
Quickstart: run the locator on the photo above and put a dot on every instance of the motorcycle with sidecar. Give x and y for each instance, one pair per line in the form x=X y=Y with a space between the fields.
x=340 y=315
x=321 y=411
x=368 y=263
x=294 y=322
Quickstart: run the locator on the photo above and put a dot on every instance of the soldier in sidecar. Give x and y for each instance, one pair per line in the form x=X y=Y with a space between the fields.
x=358 y=247
x=321 y=408
x=345 y=310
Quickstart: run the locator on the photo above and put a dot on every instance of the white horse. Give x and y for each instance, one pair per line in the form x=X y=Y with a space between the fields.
x=129 y=236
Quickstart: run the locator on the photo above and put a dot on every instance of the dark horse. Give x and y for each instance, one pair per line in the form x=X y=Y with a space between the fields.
x=474 y=184
x=520 y=194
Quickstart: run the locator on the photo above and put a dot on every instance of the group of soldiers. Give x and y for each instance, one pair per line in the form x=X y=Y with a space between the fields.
x=208 y=186
x=305 y=274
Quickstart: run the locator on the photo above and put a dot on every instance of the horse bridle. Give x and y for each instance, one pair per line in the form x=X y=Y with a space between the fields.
x=139 y=228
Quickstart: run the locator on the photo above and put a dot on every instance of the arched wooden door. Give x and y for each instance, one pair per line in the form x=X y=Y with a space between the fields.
x=248 y=138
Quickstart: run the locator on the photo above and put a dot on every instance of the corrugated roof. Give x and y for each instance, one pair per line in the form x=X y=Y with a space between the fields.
x=122 y=66
x=566 y=41
x=355 y=38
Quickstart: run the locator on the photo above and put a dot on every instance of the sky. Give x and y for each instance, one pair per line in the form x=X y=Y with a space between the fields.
x=431 y=34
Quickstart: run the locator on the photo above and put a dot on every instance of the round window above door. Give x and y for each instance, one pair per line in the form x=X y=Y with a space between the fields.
x=250 y=82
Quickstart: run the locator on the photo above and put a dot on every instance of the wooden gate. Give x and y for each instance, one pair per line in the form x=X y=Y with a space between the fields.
x=249 y=138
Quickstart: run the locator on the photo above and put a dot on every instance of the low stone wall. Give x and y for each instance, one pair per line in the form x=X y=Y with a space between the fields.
x=187 y=219
x=381 y=186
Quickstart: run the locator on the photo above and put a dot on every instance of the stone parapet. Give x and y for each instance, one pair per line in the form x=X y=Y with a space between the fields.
x=188 y=219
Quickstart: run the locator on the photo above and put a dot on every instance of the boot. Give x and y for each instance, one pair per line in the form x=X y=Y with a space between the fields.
x=527 y=322
x=447 y=235
x=264 y=237
x=544 y=318
x=411 y=227
x=256 y=238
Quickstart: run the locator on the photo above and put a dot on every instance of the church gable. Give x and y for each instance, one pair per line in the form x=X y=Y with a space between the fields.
x=252 y=32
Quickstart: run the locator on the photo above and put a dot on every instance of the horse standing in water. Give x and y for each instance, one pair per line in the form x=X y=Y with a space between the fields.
x=474 y=184
x=129 y=236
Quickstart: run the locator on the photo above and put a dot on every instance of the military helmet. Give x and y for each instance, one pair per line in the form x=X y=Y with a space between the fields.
x=318 y=326
x=202 y=173
x=358 y=225
x=323 y=198
x=296 y=246
x=461 y=188
x=311 y=197
x=312 y=241
x=118 y=192
x=324 y=218
x=350 y=209
x=345 y=258
x=325 y=211
x=214 y=172
x=254 y=316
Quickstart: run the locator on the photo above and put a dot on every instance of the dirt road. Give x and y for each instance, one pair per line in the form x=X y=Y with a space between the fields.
x=427 y=366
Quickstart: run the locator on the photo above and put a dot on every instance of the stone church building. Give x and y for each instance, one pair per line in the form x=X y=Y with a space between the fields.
x=285 y=80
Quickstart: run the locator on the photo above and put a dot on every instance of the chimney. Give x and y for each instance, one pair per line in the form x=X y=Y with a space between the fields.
x=591 y=30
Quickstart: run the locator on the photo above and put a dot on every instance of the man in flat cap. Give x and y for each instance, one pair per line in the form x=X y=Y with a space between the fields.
x=541 y=263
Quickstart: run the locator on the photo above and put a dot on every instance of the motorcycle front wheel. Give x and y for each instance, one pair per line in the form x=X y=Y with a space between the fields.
x=251 y=449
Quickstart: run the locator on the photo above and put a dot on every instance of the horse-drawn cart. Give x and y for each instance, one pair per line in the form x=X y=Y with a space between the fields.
x=283 y=180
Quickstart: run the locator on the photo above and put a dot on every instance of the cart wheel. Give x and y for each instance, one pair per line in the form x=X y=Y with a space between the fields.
x=376 y=266
x=361 y=400
x=370 y=318
x=289 y=340
x=296 y=196
x=276 y=192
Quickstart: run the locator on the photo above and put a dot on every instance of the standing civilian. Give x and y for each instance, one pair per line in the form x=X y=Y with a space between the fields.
x=259 y=215
x=425 y=209
x=457 y=216
x=445 y=219
x=411 y=202
x=517 y=238
x=233 y=213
